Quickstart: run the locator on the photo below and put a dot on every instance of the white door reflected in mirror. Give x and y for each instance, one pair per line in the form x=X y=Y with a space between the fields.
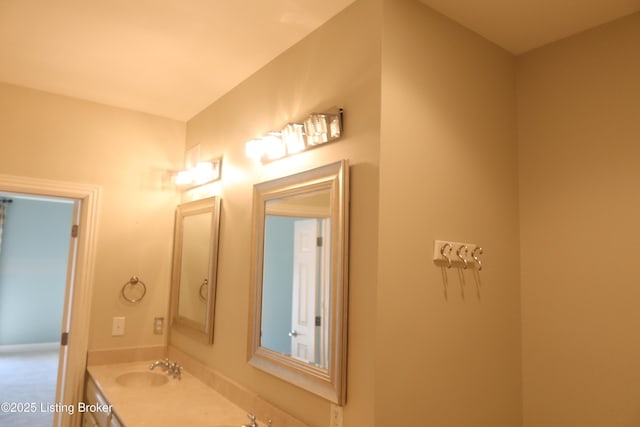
x=296 y=278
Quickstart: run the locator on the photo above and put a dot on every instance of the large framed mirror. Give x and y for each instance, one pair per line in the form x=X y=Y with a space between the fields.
x=195 y=257
x=298 y=316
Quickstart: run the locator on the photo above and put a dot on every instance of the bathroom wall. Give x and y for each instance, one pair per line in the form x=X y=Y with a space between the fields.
x=334 y=66
x=579 y=127
x=36 y=233
x=447 y=351
x=449 y=138
x=126 y=153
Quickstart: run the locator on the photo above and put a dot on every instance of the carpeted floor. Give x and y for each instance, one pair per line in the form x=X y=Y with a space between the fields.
x=27 y=386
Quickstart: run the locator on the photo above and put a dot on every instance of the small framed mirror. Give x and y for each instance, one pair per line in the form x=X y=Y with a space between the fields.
x=298 y=321
x=195 y=257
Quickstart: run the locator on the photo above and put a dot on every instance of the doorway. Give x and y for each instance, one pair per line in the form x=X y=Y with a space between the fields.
x=35 y=242
x=72 y=342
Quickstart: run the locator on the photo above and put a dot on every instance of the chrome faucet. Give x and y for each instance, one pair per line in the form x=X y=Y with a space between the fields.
x=164 y=364
x=171 y=368
x=254 y=423
x=175 y=370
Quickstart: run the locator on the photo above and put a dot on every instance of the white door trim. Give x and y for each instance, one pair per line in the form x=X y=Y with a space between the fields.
x=89 y=196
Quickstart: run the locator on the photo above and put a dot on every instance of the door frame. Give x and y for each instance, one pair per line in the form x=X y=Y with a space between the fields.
x=81 y=277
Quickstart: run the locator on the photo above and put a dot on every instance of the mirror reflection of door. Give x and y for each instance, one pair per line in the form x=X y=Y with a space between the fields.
x=295 y=306
x=309 y=314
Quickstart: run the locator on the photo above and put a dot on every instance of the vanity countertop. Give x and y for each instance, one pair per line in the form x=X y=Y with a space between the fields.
x=186 y=402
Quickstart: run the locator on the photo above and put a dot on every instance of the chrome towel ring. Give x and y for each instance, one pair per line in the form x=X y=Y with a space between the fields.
x=132 y=283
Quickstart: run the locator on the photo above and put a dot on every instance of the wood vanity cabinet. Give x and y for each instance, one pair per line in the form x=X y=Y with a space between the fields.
x=93 y=396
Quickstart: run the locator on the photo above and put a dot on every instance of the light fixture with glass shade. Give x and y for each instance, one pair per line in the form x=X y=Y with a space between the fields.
x=317 y=129
x=200 y=174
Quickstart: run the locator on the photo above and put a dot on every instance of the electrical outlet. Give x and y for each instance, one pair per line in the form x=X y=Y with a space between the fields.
x=117 y=326
x=158 y=325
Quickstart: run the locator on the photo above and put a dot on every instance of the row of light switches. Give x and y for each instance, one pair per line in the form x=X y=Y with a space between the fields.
x=456 y=254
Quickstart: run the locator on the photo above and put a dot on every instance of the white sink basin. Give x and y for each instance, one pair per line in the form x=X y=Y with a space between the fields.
x=142 y=379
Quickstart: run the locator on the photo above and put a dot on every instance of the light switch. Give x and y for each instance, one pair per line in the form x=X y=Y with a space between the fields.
x=117 y=327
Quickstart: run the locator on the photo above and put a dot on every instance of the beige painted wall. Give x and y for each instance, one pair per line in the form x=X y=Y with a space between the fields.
x=124 y=152
x=446 y=355
x=335 y=66
x=579 y=127
x=444 y=142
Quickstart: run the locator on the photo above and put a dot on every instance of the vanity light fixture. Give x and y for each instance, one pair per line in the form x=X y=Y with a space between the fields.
x=317 y=129
x=200 y=174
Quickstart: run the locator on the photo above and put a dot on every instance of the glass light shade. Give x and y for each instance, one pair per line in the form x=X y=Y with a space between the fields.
x=335 y=127
x=183 y=178
x=255 y=149
x=316 y=129
x=293 y=137
x=321 y=128
x=274 y=147
x=202 y=173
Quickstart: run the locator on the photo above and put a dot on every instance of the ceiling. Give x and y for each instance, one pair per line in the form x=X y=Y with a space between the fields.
x=167 y=57
x=522 y=25
x=175 y=57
